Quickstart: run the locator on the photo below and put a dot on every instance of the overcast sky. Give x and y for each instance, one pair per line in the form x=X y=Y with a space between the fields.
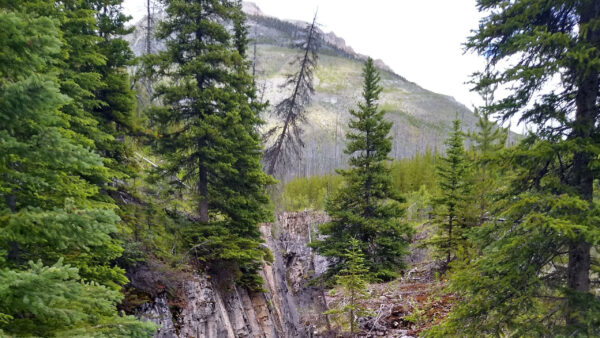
x=419 y=39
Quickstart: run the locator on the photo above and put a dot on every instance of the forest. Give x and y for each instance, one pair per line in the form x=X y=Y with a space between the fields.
x=127 y=177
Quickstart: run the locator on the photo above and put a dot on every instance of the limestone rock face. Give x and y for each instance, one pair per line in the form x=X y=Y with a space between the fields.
x=288 y=308
x=159 y=313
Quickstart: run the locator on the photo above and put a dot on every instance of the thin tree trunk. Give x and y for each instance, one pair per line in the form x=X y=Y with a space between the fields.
x=578 y=269
x=449 y=240
x=148 y=28
x=254 y=56
x=13 y=247
x=11 y=202
x=301 y=75
x=323 y=295
x=203 y=191
x=352 y=312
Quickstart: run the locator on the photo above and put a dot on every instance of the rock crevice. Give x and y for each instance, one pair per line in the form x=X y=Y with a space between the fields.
x=289 y=307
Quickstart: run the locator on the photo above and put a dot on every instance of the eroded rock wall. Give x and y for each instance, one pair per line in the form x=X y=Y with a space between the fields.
x=289 y=307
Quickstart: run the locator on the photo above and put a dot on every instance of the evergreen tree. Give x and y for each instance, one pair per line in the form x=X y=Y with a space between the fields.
x=91 y=72
x=49 y=212
x=489 y=140
x=208 y=129
x=247 y=204
x=367 y=207
x=352 y=280
x=454 y=203
x=79 y=60
x=116 y=109
x=534 y=275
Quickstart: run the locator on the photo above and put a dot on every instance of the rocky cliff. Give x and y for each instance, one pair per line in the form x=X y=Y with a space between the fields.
x=205 y=306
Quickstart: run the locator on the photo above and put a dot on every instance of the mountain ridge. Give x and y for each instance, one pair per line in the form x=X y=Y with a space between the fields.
x=421 y=118
x=251 y=9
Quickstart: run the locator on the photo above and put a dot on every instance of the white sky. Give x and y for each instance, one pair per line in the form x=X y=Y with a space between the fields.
x=419 y=39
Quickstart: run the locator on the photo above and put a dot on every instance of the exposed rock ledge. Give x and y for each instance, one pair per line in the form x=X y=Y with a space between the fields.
x=289 y=308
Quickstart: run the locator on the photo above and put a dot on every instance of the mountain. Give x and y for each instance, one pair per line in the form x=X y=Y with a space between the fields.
x=421 y=117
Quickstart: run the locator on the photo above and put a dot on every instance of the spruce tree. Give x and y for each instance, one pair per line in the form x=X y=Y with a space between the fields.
x=489 y=140
x=208 y=129
x=91 y=71
x=454 y=203
x=352 y=279
x=247 y=203
x=367 y=208
x=116 y=109
x=534 y=276
x=49 y=215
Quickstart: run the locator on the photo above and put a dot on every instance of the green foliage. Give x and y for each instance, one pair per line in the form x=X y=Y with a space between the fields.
x=207 y=129
x=489 y=141
x=50 y=211
x=533 y=277
x=116 y=108
x=53 y=301
x=410 y=174
x=419 y=204
x=366 y=207
x=309 y=192
x=516 y=285
x=453 y=205
x=352 y=279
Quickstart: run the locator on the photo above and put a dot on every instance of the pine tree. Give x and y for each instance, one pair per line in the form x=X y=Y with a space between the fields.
x=247 y=204
x=352 y=280
x=534 y=275
x=292 y=110
x=454 y=203
x=49 y=214
x=208 y=129
x=116 y=110
x=367 y=207
x=489 y=140
x=91 y=72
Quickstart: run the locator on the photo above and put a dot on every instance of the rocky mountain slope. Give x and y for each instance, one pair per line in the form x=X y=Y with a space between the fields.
x=421 y=117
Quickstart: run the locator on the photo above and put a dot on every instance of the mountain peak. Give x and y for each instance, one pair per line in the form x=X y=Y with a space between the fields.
x=252 y=10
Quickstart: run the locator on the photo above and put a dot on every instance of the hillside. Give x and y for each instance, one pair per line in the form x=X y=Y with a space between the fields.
x=421 y=117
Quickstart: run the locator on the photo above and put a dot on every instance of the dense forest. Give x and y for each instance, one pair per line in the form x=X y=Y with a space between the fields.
x=123 y=176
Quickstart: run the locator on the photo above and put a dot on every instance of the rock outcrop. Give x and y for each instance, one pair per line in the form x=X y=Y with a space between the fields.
x=289 y=307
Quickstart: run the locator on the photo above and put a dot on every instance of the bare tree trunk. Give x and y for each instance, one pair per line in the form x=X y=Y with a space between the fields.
x=11 y=202
x=290 y=117
x=254 y=55
x=148 y=28
x=449 y=239
x=327 y=321
x=203 y=191
x=352 y=312
x=13 y=253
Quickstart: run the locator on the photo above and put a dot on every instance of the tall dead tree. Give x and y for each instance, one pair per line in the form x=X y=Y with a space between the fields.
x=149 y=30
x=148 y=27
x=291 y=111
